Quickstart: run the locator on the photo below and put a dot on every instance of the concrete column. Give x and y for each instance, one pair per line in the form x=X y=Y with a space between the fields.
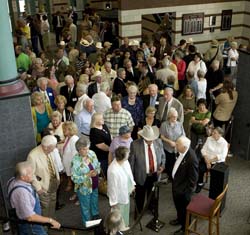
x=32 y=4
x=9 y=82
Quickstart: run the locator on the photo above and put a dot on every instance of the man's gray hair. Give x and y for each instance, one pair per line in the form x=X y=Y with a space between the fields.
x=114 y=222
x=185 y=141
x=68 y=77
x=104 y=86
x=49 y=140
x=120 y=70
x=170 y=89
x=40 y=80
x=86 y=101
x=165 y=62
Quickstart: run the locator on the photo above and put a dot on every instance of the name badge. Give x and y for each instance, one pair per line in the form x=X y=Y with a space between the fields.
x=50 y=94
x=74 y=99
x=156 y=102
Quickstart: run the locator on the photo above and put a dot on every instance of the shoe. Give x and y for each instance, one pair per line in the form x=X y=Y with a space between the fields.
x=179 y=232
x=174 y=222
x=59 y=206
x=73 y=197
x=199 y=187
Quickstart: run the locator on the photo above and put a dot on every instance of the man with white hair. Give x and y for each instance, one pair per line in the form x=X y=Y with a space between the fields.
x=165 y=72
x=102 y=99
x=83 y=119
x=81 y=92
x=42 y=86
x=166 y=102
x=152 y=99
x=46 y=180
x=69 y=92
x=185 y=177
x=108 y=74
x=24 y=199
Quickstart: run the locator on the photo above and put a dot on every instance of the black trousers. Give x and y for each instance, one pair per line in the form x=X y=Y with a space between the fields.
x=170 y=161
x=181 y=202
x=141 y=190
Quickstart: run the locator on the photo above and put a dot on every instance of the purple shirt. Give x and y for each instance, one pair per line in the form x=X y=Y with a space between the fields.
x=21 y=199
x=94 y=179
x=118 y=141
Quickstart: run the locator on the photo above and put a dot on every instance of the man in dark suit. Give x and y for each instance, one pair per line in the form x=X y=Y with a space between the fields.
x=185 y=177
x=60 y=65
x=152 y=99
x=69 y=91
x=166 y=102
x=132 y=74
x=162 y=50
x=147 y=160
x=58 y=23
x=94 y=87
x=42 y=86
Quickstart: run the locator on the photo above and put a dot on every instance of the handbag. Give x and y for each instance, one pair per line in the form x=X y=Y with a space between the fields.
x=102 y=184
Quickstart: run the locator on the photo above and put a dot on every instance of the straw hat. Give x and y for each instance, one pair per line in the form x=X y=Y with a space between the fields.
x=96 y=74
x=84 y=42
x=149 y=133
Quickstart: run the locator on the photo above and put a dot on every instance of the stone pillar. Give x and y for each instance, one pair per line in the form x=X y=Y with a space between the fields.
x=32 y=4
x=17 y=134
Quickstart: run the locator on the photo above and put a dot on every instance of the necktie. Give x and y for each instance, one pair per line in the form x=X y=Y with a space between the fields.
x=152 y=100
x=165 y=113
x=151 y=160
x=50 y=167
x=69 y=92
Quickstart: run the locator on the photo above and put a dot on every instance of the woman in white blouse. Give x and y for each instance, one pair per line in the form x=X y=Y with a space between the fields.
x=232 y=61
x=120 y=183
x=197 y=64
x=69 y=150
x=202 y=85
x=213 y=152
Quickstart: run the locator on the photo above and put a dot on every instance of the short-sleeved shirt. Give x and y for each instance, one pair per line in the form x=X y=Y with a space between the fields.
x=119 y=141
x=98 y=136
x=115 y=120
x=22 y=199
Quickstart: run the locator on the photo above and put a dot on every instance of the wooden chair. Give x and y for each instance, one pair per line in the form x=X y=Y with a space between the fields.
x=205 y=208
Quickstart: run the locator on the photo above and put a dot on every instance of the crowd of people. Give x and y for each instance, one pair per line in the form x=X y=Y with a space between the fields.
x=131 y=112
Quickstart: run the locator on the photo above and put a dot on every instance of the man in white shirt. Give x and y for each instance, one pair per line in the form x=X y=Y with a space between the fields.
x=185 y=176
x=102 y=99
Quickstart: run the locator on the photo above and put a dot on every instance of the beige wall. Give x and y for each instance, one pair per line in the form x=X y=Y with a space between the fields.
x=130 y=21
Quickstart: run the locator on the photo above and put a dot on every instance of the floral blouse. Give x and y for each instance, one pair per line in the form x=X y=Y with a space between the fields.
x=80 y=169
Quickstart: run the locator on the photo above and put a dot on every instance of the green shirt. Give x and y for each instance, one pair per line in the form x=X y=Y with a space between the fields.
x=23 y=61
x=198 y=128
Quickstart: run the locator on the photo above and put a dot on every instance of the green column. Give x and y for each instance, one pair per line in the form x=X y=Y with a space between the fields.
x=18 y=8
x=8 y=69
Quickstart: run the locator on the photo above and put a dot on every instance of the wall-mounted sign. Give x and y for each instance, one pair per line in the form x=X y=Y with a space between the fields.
x=192 y=23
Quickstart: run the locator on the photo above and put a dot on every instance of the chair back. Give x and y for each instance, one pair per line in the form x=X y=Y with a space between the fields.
x=217 y=203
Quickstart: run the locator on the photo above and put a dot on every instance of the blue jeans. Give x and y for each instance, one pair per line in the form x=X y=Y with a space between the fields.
x=89 y=205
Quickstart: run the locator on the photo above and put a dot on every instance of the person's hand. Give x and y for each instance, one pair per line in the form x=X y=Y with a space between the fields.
x=41 y=192
x=208 y=166
x=55 y=224
x=70 y=109
x=160 y=170
x=172 y=144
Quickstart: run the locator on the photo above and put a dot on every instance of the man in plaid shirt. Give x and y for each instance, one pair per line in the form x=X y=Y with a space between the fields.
x=117 y=116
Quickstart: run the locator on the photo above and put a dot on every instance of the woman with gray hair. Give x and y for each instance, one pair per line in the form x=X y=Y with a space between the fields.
x=170 y=131
x=120 y=183
x=85 y=170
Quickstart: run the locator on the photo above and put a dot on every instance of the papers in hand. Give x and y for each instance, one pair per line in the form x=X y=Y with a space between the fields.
x=91 y=223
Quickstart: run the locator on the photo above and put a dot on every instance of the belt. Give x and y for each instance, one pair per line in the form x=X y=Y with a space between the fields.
x=84 y=134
